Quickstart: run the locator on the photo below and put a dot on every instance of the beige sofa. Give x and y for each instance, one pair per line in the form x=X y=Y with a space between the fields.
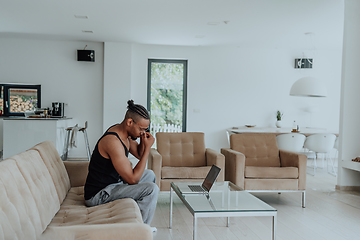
x=255 y=164
x=40 y=199
x=183 y=157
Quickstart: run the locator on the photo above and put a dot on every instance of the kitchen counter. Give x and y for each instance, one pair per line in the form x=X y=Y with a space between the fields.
x=21 y=133
x=37 y=118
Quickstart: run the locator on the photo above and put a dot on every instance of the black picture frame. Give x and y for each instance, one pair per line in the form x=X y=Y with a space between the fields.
x=6 y=97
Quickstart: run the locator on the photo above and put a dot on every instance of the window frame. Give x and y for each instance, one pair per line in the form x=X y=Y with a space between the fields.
x=6 y=99
x=185 y=73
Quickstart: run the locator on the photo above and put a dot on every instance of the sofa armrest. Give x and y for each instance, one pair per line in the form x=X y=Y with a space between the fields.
x=77 y=171
x=216 y=158
x=155 y=164
x=121 y=231
x=234 y=167
x=293 y=159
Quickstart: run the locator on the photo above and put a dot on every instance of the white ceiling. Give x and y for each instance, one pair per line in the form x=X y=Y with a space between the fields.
x=250 y=23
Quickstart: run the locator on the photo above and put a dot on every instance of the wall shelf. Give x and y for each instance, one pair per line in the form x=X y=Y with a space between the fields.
x=351 y=165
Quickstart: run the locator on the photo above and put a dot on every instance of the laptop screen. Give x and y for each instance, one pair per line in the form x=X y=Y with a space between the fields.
x=211 y=177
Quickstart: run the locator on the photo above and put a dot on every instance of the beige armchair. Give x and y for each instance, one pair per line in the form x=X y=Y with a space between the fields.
x=255 y=164
x=183 y=157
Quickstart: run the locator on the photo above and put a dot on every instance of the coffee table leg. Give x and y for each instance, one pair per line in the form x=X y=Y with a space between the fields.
x=171 y=207
x=194 y=227
x=274 y=227
x=228 y=222
x=303 y=199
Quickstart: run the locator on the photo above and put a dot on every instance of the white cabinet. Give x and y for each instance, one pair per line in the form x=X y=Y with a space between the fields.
x=20 y=134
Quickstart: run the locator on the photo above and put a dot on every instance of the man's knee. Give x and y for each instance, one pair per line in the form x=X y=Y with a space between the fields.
x=149 y=174
x=152 y=188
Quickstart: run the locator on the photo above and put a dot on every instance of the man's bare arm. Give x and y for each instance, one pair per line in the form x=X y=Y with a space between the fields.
x=137 y=149
x=116 y=152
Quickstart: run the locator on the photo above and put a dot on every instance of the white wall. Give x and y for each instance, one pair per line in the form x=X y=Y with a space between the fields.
x=117 y=82
x=238 y=86
x=350 y=97
x=53 y=65
x=230 y=86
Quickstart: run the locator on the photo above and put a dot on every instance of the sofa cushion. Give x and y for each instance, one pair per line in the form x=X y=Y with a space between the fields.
x=124 y=231
x=74 y=212
x=184 y=172
x=181 y=149
x=55 y=166
x=271 y=172
x=40 y=183
x=260 y=149
x=19 y=216
x=78 y=171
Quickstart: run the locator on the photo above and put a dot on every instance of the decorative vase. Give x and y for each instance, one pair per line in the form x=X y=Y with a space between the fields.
x=278 y=124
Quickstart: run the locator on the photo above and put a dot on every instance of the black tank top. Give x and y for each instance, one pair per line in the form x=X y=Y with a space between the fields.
x=101 y=170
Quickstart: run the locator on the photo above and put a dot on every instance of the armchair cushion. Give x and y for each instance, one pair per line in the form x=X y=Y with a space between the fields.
x=184 y=172
x=181 y=149
x=259 y=151
x=270 y=184
x=271 y=172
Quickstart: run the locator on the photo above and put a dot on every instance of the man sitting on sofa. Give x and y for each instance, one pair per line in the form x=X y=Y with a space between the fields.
x=111 y=176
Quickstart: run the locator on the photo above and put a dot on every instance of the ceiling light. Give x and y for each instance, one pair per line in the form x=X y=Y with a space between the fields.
x=308 y=87
x=81 y=16
x=85 y=31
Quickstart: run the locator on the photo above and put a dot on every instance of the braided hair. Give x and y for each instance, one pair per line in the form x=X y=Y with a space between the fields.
x=136 y=111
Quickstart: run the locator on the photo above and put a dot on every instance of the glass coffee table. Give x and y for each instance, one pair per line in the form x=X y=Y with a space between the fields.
x=225 y=199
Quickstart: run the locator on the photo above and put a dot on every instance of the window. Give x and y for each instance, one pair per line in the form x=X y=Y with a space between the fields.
x=167 y=95
x=18 y=98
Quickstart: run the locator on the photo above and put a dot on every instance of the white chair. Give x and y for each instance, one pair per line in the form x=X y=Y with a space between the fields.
x=228 y=133
x=293 y=142
x=320 y=143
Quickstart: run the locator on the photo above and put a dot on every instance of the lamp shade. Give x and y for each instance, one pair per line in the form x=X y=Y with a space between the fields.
x=308 y=87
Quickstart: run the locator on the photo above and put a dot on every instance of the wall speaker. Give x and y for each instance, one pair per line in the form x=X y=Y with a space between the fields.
x=86 y=55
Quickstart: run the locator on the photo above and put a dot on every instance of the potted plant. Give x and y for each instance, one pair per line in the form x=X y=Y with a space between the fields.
x=278 y=118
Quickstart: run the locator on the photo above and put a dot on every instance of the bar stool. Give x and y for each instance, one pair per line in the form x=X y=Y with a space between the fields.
x=67 y=140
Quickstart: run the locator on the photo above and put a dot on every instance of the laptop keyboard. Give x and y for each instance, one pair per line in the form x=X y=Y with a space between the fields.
x=196 y=188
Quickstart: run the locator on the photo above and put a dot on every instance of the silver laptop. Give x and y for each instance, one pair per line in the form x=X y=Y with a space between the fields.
x=206 y=185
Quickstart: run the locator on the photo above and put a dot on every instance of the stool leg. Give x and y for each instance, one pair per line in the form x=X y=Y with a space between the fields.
x=87 y=144
x=66 y=146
